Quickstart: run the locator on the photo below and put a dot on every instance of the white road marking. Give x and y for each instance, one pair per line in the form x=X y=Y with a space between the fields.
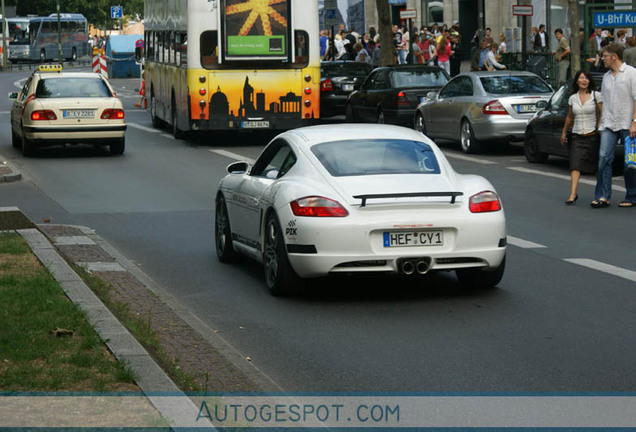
x=167 y=135
x=562 y=177
x=5 y=112
x=605 y=268
x=524 y=244
x=231 y=155
x=143 y=128
x=469 y=159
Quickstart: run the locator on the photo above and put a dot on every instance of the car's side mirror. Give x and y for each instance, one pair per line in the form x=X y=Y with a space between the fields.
x=13 y=95
x=542 y=104
x=238 y=168
x=431 y=95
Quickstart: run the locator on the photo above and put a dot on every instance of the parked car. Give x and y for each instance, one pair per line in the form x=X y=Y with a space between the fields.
x=56 y=107
x=337 y=80
x=359 y=199
x=482 y=108
x=391 y=94
x=543 y=133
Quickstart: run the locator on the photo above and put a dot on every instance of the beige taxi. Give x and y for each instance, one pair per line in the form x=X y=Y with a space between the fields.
x=56 y=108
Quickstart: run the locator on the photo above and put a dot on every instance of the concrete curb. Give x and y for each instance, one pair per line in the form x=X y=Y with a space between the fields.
x=177 y=409
x=8 y=173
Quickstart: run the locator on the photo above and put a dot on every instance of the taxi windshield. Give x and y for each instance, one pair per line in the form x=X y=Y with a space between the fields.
x=72 y=87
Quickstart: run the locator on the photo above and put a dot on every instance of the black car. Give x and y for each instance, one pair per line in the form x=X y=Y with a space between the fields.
x=391 y=94
x=337 y=80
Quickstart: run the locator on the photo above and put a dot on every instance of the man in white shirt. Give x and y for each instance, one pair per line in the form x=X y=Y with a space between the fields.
x=618 y=121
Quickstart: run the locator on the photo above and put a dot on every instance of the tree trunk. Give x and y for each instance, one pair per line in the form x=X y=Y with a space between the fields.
x=387 y=54
x=575 y=38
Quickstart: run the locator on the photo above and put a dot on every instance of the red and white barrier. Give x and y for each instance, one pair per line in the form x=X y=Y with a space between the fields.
x=99 y=65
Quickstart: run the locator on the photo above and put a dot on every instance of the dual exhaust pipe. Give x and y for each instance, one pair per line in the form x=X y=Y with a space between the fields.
x=414 y=265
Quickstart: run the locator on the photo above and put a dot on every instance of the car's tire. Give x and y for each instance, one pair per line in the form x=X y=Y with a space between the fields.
x=467 y=140
x=176 y=132
x=481 y=278
x=118 y=146
x=380 y=119
x=531 y=150
x=349 y=114
x=16 y=142
x=280 y=277
x=28 y=148
x=156 y=122
x=223 y=233
x=419 y=124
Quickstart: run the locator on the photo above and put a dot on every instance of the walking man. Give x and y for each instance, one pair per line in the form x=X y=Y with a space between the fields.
x=618 y=121
x=562 y=55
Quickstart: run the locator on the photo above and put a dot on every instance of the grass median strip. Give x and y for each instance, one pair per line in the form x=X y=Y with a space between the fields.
x=46 y=343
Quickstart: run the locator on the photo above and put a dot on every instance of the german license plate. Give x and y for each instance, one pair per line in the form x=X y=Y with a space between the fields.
x=251 y=124
x=74 y=114
x=526 y=108
x=414 y=238
x=347 y=87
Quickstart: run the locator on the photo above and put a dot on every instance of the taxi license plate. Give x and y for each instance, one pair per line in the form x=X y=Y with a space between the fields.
x=74 y=114
x=249 y=124
x=526 y=108
x=414 y=238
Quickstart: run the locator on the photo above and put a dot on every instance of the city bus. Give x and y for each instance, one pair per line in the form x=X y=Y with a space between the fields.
x=41 y=41
x=232 y=64
x=14 y=28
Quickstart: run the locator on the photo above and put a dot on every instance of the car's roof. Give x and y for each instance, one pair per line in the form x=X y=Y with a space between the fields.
x=341 y=132
x=498 y=73
x=411 y=67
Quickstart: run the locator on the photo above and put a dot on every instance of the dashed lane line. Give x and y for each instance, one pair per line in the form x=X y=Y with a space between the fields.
x=605 y=268
x=524 y=244
x=231 y=155
x=561 y=176
x=143 y=128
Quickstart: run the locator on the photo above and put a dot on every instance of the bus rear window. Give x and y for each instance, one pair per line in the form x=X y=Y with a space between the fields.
x=209 y=43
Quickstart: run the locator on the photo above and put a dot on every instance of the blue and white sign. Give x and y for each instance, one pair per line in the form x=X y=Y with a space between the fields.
x=615 y=19
x=116 y=12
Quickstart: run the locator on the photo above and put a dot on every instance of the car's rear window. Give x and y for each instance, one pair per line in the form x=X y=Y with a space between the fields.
x=72 y=87
x=511 y=84
x=357 y=69
x=376 y=156
x=420 y=78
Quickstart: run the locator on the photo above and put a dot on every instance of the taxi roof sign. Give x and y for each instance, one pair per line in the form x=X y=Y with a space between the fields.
x=50 y=68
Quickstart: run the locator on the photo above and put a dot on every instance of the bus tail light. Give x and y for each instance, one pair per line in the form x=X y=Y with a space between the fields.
x=43 y=115
x=202 y=91
x=307 y=78
x=112 y=114
x=307 y=91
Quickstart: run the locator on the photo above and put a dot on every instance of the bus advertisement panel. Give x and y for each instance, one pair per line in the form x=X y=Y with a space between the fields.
x=232 y=64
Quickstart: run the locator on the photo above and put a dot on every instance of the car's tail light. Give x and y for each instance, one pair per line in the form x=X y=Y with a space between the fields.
x=484 y=202
x=112 y=114
x=402 y=100
x=494 y=107
x=326 y=85
x=43 y=115
x=316 y=206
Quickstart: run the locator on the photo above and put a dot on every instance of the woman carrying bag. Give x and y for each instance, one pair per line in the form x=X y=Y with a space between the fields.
x=584 y=115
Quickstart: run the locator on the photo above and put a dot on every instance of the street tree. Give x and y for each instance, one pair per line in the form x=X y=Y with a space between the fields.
x=387 y=55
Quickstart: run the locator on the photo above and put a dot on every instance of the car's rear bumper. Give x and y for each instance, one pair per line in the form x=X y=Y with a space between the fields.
x=496 y=127
x=58 y=134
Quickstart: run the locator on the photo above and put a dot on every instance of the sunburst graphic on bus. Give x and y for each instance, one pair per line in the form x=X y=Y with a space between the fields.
x=256 y=27
x=257 y=9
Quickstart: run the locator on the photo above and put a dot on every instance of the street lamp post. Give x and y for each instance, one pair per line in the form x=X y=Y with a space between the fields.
x=4 y=39
x=59 y=34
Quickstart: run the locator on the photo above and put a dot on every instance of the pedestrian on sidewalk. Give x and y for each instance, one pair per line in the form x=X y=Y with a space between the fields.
x=584 y=115
x=562 y=56
x=618 y=93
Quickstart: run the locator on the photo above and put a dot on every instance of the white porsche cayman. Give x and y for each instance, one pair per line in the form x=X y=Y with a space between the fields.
x=359 y=198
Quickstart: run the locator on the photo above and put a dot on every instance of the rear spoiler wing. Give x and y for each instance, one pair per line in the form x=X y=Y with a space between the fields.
x=452 y=196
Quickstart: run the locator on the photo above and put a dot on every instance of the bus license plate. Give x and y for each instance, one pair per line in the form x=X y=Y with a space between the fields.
x=414 y=238
x=74 y=114
x=250 y=124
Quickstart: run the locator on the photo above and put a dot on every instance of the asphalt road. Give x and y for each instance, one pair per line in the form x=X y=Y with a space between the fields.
x=561 y=320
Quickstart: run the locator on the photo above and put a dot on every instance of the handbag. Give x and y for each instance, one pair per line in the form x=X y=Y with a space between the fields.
x=630 y=152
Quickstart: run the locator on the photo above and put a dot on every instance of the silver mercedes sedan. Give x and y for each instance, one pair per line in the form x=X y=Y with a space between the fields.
x=479 y=109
